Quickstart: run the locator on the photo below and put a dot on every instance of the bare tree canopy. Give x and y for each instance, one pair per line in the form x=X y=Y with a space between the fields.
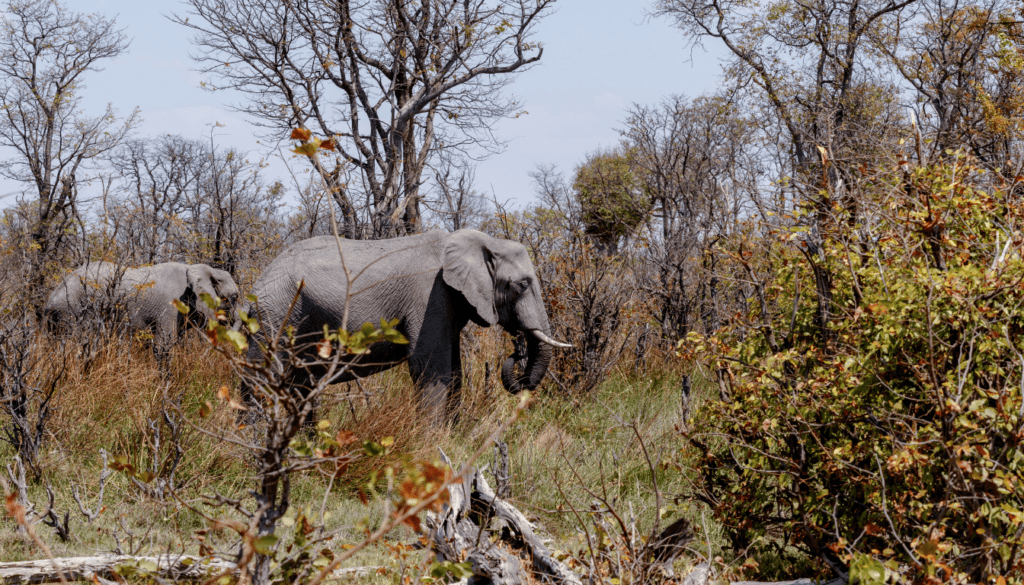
x=393 y=81
x=45 y=51
x=805 y=58
x=183 y=199
x=962 y=61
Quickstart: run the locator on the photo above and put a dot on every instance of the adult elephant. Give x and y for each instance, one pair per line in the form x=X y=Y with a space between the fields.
x=143 y=295
x=433 y=283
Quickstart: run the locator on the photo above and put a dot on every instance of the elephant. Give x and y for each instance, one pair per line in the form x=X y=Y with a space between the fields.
x=144 y=295
x=433 y=283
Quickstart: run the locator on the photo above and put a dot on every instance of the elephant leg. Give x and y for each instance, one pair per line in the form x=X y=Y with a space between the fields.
x=453 y=404
x=433 y=376
x=254 y=410
x=305 y=384
x=162 y=343
x=296 y=386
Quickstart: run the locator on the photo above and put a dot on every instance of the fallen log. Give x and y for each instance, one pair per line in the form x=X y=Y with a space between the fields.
x=700 y=574
x=104 y=567
x=795 y=582
x=461 y=532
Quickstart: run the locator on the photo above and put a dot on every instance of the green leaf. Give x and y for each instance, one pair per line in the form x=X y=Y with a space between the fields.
x=394 y=336
x=306 y=149
x=233 y=338
x=210 y=301
x=928 y=548
x=182 y=307
x=866 y=570
x=265 y=544
x=251 y=323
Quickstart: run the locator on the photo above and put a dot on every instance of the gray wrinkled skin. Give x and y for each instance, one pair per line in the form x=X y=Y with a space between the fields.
x=433 y=283
x=142 y=295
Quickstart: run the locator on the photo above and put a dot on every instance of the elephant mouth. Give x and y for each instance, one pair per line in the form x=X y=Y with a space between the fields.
x=528 y=364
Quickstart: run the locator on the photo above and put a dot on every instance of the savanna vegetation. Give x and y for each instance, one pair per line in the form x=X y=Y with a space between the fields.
x=795 y=304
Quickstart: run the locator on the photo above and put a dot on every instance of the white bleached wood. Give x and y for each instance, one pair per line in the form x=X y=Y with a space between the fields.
x=175 y=567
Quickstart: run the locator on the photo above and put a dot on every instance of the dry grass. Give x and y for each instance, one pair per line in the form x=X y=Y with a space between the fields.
x=109 y=403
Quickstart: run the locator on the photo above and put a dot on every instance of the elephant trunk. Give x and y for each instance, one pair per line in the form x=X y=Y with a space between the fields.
x=205 y=314
x=537 y=357
x=236 y=323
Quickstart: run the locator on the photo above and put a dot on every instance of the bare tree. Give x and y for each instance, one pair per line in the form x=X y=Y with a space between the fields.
x=802 y=71
x=392 y=81
x=45 y=51
x=698 y=161
x=960 y=62
x=310 y=218
x=157 y=176
x=806 y=63
x=457 y=203
x=186 y=199
x=233 y=213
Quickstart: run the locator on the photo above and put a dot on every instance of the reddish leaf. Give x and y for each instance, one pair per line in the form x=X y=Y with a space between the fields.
x=323 y=348
x=301 y=134
x=413 y=522
x=344 y=438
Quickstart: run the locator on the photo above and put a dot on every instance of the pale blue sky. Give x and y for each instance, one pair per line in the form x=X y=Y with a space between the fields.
x=599 y=58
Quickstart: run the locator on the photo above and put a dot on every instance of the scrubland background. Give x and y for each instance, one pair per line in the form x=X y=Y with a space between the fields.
x=795 y=303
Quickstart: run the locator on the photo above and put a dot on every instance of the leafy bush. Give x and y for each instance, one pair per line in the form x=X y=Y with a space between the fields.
x=611 y=198
x=890 y=432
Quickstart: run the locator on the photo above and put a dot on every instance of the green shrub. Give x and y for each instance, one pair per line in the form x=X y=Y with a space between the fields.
x=892 y=434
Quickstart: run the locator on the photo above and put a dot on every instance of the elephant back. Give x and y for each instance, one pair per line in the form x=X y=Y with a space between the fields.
x=373 y=265
x=77 y=292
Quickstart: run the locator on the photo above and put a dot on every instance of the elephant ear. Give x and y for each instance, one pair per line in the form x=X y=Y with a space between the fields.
x=467 y=269
x=199 y=282
x=223 y=283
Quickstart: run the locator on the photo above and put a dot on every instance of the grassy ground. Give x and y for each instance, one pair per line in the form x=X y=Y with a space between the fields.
x=566 y=454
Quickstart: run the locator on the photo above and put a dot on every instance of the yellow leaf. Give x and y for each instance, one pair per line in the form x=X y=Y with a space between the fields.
x=305 y=149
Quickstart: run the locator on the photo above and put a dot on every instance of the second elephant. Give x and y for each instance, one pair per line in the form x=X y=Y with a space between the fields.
x=433 y=283
x=143 y=295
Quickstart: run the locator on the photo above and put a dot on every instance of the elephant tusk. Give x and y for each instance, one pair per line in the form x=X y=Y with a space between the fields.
x=540 y=335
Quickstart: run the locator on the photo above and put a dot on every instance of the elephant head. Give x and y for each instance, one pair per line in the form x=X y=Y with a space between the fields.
x=216 y=283
x=498 y=280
